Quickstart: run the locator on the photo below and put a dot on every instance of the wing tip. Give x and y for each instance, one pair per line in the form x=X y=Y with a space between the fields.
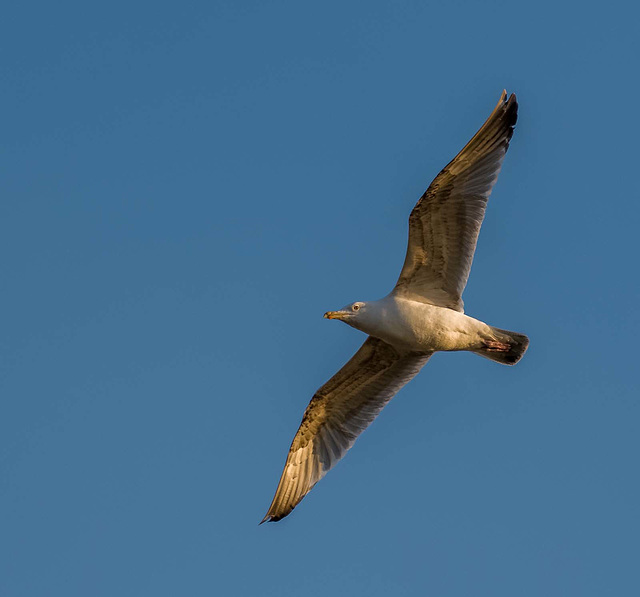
x=504 y=100
x=508 y=110
x=510 y=104
x=274 y=517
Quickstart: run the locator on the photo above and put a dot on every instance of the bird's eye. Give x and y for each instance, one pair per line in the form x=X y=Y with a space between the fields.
x=355 y=307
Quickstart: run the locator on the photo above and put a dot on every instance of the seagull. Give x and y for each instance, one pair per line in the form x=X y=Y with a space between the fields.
x=423 y=314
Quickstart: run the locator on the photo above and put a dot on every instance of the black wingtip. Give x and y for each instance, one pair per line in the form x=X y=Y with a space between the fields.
x=270 y=518
x=510 y=109
x=267 y=518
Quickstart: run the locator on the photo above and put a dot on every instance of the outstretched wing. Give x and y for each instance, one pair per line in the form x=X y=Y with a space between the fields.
x=338 y=413
x=445 y=223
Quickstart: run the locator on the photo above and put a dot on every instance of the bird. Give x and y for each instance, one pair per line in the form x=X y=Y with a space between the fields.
x=423 y=314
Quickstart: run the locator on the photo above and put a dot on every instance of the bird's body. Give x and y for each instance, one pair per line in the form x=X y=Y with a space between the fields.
x=420 y=327
x=423 y=314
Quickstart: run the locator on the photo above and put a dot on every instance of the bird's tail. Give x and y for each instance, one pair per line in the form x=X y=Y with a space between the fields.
x=504 y=347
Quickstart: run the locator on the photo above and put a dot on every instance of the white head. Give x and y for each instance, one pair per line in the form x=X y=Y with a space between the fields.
x=356 y=314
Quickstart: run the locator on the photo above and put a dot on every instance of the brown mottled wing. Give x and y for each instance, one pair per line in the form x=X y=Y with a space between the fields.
x=445 y=223
x=338 y=413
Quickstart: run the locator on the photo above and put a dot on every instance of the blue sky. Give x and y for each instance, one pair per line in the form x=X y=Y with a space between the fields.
x=187 y=187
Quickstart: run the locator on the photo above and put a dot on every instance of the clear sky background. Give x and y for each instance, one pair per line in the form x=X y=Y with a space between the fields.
x=187 y=187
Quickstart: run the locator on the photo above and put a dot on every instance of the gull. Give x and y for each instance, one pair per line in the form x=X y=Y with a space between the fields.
x=423 y=314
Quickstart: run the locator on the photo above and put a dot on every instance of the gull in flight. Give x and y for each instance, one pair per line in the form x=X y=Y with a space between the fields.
x=422 y=314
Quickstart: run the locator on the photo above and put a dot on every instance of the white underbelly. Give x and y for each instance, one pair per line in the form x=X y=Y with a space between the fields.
x=424 y=327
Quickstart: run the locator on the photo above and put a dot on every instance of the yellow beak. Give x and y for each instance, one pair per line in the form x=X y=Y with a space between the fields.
x=333 y=315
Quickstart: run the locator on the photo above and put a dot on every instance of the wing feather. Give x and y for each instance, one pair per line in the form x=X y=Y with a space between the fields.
x=445 y=223
x=338 y=413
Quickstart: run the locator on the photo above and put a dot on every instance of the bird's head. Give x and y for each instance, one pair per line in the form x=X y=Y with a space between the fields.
x=354 y=314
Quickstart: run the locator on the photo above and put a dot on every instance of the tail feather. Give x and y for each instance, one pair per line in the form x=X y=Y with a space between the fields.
x=505 y=347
